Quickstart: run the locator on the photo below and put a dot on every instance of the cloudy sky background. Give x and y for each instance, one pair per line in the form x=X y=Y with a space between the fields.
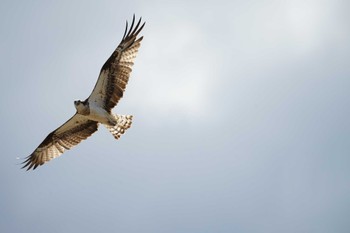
x=241 y=117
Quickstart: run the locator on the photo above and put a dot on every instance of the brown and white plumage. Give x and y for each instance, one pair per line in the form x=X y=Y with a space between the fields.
x=116 y=71
x=63 y=138
x=109 y=89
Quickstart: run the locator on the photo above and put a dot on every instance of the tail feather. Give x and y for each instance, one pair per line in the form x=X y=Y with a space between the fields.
x=123 y=123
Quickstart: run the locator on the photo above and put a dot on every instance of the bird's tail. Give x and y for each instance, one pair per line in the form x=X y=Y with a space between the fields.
x=123 y=123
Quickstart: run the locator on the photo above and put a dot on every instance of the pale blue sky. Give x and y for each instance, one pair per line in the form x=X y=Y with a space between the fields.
x=241 y=117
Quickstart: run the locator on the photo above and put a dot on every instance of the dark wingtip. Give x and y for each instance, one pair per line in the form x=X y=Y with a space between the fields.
x=133 y=30
x=126 y=29
x=132 y=25
x=138 y=31
x=29 y=163
x=137 y=25
x=26 y=162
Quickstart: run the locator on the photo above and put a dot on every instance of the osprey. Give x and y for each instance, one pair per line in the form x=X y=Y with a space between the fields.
x=96 y=109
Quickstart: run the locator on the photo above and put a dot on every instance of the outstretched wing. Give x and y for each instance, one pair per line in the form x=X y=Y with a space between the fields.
x=63 y=138
x=115 y=72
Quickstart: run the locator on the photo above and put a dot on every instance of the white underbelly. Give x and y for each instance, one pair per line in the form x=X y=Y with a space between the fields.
x=99 y=114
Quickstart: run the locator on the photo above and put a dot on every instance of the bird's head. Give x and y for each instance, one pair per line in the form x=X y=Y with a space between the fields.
x=81 y=106
x=77 y=103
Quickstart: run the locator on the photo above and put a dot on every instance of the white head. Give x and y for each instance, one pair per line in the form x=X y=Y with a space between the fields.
x=82 y=107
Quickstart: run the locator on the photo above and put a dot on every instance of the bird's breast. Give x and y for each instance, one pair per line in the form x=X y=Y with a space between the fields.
x=98 y=114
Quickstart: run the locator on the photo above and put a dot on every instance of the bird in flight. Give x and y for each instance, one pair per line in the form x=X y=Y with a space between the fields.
x=97 y=108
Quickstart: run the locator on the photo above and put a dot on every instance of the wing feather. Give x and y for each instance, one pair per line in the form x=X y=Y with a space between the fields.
x=63 y=138
x=115 y=73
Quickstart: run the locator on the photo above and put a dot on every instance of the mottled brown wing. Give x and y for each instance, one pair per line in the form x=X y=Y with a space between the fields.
x=116 y=71
x=63 y=138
